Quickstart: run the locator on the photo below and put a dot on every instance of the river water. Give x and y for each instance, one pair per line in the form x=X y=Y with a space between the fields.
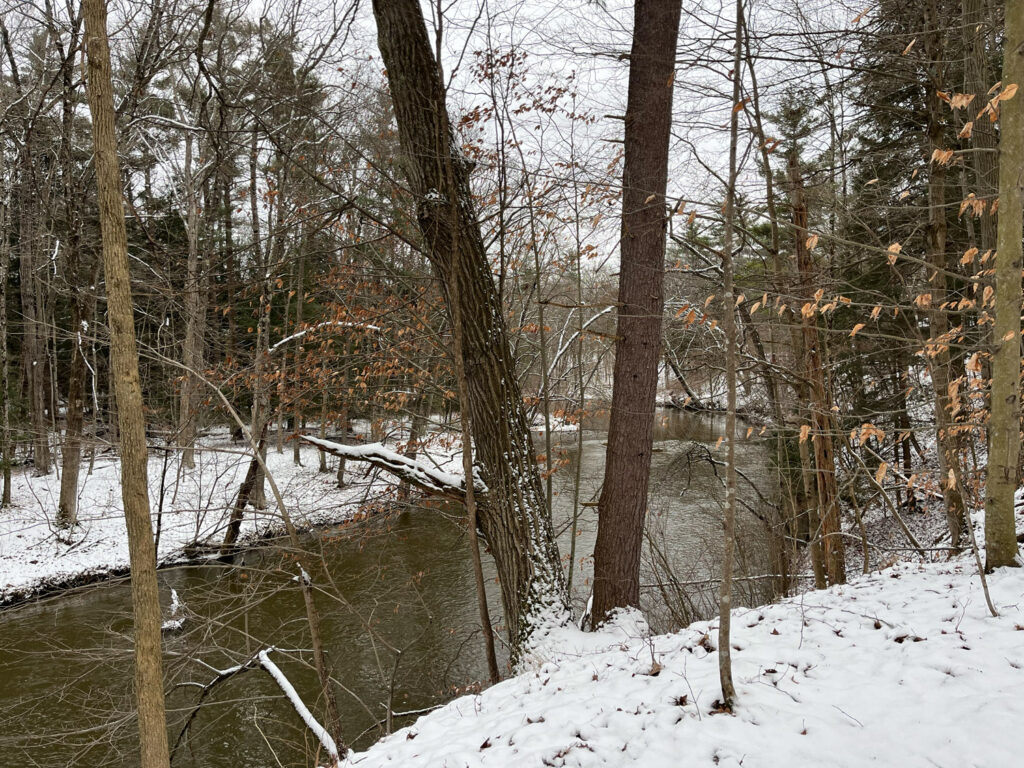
x=399 y=617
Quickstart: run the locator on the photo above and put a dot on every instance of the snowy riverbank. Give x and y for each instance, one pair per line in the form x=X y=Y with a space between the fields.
x=36 y=557
x=904 y=667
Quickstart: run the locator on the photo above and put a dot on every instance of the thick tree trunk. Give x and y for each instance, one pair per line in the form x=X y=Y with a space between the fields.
x=622 y=506
x=149 y=689
x=516 y=522
x=1004 y=419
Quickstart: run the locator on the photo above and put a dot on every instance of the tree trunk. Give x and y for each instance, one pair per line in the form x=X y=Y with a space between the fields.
x=124 y=358
x=195 y=316
x=33 y=352
x=820 y=401
x=5 y=390
x=729 y=327
x=622 y=506
x=1004 y=419
x=260 y=395
x=977 y=80
x=938 y=323
x=516 y=522
x=82 y=274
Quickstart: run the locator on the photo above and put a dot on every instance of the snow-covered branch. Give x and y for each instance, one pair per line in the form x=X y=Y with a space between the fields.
x=326 y=740
x=325 y=324
x=422 y=475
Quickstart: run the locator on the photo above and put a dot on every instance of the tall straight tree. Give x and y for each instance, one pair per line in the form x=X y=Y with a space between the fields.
x=1004 y=419
x=514 y=517
x=149 y=684
x=622 y=506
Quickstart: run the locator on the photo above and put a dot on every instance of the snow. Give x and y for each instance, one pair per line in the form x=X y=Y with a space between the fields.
x=318 y=730
x=903 y=667
x=175 y=613
x=35 y=554
x=421 y=471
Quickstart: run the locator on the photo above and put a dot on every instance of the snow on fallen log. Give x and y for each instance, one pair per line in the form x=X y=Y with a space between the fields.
x=326 y=740
x=418 y=473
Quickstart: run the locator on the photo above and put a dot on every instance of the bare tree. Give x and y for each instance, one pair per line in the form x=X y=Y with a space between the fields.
x=134 y=487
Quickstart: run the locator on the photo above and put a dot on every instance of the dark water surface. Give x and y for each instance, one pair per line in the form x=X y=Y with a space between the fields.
x=399 y=618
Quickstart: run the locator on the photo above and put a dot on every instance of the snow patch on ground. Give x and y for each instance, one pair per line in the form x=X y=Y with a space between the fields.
x=35 y=554
x=904 y=667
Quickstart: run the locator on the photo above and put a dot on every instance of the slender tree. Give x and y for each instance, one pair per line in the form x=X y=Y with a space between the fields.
x=729 y=326
x=149 y=689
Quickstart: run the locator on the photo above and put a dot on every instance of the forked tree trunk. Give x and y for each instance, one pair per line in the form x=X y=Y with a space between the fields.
x=516 y=522
x=622 y=506
x=1004 y=419
x=149 y=688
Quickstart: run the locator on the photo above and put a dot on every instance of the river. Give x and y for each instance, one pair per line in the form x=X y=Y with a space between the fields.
x=399 y=619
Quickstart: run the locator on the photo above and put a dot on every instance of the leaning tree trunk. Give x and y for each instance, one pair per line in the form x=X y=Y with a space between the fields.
x=516 y=520
x=622 y=506
x=1004 y=419
x=149 y=688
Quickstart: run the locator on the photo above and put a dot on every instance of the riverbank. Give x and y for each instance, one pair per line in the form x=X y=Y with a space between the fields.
x=904 y=666
x=189 y=507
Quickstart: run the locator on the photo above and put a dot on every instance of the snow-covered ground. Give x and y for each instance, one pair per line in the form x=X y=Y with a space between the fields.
x=35 y=555
x=904 y=667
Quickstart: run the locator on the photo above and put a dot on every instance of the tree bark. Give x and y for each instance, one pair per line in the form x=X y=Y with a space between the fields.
x=622 y=506
x=1004 y=418
x=517 y=522
x=938 y=356
x=195 y=315
x=83 y=273
x=124 y=359
x=729 y=327
x=977 y=80
x=826 y=489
